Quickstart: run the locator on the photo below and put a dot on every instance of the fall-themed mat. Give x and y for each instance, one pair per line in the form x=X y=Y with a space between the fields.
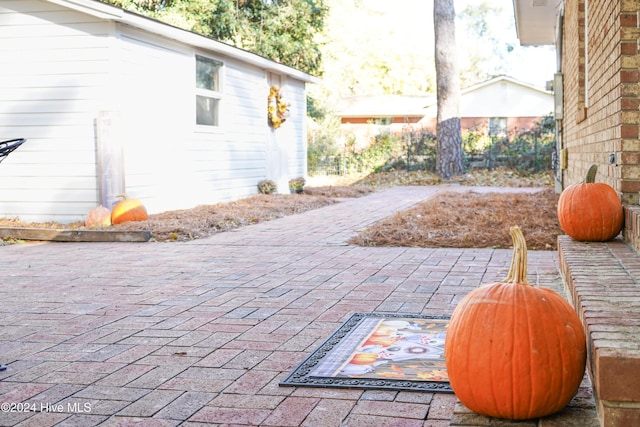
x=379 y=351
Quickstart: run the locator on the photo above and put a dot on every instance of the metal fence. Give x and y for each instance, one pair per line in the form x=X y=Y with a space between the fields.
x=335 y=165
x=527 y=151
x=535 y=160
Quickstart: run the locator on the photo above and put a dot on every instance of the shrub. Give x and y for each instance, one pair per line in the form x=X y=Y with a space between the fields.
x=322 y=145
x=266 y=186
x=415 y=148
x=296 y=185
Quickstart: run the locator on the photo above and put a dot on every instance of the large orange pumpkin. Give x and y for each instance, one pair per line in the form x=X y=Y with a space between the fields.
x=98 y=217
x=514 y=350
x=590 y=211
x=128 y=210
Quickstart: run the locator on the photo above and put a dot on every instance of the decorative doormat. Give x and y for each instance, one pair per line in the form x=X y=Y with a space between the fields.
x=379 y=351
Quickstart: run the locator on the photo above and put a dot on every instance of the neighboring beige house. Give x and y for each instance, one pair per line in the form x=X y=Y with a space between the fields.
x=112 y=102
x=494 y=107
x=366 y=116
x=498 y=106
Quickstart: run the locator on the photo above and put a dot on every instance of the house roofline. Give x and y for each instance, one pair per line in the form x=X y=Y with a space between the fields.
x=106 y=11
x=536 y=21
x=378 y=116
x=430 y=100
x=496 y=79
x=412 y=105
x=504 y=78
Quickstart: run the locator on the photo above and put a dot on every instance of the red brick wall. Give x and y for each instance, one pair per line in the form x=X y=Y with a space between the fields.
x=481 y=124
x=601 y=93
x=466 y=123
x=514 y=124
x=367 y=120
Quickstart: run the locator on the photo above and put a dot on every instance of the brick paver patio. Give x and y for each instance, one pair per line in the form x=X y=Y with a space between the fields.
x=200 y=333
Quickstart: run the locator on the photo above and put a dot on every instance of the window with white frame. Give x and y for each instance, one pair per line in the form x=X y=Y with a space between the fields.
x=498 y=126
x=383 y=121
x=208 y=93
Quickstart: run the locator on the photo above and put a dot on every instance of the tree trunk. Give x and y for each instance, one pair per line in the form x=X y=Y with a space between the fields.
x=449 y=157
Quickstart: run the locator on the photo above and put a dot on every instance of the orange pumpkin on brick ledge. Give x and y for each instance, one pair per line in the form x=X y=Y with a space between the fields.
x=590 y=211
x=514 y=350
x=128 y=209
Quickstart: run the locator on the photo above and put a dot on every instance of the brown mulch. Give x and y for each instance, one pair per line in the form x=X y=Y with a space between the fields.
x=206 y=220
x=449 y=220
x=339 y=191
x=499 y=177
x=470 y=220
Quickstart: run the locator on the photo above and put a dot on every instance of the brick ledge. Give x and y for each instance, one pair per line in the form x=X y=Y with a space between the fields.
x=603 y=283
x=631 y=231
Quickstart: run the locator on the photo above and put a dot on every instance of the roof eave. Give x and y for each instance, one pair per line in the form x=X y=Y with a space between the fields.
x=202 y=42
x=109 y=12
x=536 y=21
x=503 y=78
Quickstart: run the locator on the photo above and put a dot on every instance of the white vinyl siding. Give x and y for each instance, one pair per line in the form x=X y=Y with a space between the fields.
x=505 y=99
x=53 y=64
x=297 y=121
x=229 y=164
x=156 y=111
x=65 y=66
x=170 y=161
x=208 y=91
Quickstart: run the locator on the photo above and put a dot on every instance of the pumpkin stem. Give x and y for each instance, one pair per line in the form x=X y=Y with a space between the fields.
x=122 y=196
x=591 y=174
x=518 y=269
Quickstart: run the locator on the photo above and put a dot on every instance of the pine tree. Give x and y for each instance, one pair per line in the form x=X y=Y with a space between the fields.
x=449 y=137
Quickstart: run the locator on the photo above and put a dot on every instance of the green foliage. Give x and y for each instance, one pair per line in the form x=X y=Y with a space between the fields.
x=487 y=49
x=376 y=47
x=415 y=149
x=322 y=137
x=296 y=185
x=314 y=110
x=421 y=148
x=530 y=151
x=384 y=149
x=474 y=143
x=282 y=30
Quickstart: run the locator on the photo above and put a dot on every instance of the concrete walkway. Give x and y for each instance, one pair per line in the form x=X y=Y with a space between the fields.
x=201 y=333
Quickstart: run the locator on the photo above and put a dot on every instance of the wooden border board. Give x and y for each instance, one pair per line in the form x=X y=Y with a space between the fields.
x=65 y=235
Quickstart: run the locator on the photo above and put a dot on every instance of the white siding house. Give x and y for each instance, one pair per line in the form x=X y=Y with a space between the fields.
x=503 y=96
x=109 y=103
x=501 y=100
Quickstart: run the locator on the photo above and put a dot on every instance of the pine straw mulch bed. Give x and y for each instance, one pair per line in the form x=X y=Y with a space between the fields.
x=470 y=220
x=207 y=220
x=498 y=177
x=457 y=220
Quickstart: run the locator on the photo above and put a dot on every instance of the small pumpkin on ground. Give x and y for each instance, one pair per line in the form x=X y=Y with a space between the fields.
x=128 y=210
x=590 y=211
x=98 y=217
x=514 y=350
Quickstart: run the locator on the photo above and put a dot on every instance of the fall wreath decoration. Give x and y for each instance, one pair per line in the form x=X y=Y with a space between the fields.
x=277 y=110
